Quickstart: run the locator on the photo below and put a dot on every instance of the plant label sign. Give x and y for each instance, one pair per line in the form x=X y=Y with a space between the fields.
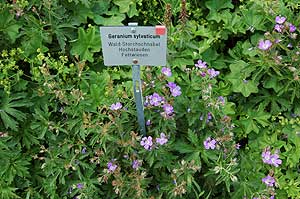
x=138 y=45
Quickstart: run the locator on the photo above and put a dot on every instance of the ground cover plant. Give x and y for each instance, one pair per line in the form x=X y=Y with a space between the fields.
x=222 y=117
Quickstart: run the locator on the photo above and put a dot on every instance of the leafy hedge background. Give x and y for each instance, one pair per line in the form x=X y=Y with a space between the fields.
x=232 y=132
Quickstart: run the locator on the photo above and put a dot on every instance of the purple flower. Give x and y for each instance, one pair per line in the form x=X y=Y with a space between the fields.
x=136 y=164
x=203 y=74
x=280 y=20
x=162 y=139
x=212 y=73
x=266 y=156
x=237 y=146
x=155 y=99
x=166 y=71
x=174 y=89
x=272 y=197
x=292 y=28
x=201 y=64
x=209 y=116
x=79 y=186
x=271 y=159
x=269 y=181
x=221 y=99
x=83 y=151
x=148 y=122
x=278 y=27
x=147 y=142
x=264 y=45
x=210 y=143
x=168 y=109
x=275 y=161
x=111 y=167
x=277 y=41
x=116 y=106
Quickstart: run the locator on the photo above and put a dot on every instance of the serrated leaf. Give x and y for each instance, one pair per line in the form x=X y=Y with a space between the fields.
x=86 y=44
x=272 y=82
x=240 y=70
x=183 y=147
x=13 y=32
x=253 y=23
x=250 y=126
x=109 y=21
x=9 y=25
x=246 y=87
x=81 y=14
x=124 y=5
x=216 y=5
x=9 y=115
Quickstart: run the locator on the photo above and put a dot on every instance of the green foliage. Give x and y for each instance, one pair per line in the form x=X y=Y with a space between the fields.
x=87 y=43
x=60 y=136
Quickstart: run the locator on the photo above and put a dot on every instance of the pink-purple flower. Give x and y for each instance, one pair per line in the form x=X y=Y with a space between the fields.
x=166 y=71
x=264 y=45
x=111 y=167
x=116 y=106
x=280 y=19
x=201 y=64
x=162 y=139
x=292 y=28
x=79 y=186
x=154 y=100
x=275 y=161
x=136 y=164
x=174 y=89
x=271 y=159
x=147 y=143
x=168 y=109
x=279 y=28
x=212 y=73
x=148 y=122
x=269 y=181
x=210 y=143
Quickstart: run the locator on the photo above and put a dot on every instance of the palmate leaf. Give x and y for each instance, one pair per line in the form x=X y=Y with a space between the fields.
x=8 y=192
x=255 y=119
x=240 y=71
x=216 y=5
x=9 y=25
x=86 y=44
x=10 y=116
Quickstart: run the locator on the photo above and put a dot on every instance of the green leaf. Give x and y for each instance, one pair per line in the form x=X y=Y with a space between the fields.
x=249 y=125
x=9 y=115
x=8 y=192
x=81 y=14
x=13 y=31
x=9 y=25
x=127 y=6
x=86 y=44
x=246 y=87
x=109 y=21
x=183 y=147
x=216 y=5
x=253 y=23
x=240 y=70
x=261 y=117
x=272 y=82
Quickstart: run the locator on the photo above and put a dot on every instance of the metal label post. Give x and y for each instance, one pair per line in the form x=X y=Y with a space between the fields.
x=137 y=89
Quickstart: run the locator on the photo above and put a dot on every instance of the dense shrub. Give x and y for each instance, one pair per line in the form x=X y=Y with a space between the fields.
x=222 y=117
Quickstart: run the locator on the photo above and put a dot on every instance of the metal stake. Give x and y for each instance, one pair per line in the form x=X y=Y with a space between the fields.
x=137 y=88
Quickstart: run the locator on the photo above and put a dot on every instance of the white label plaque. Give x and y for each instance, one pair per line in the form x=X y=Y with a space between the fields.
x=129 y=45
